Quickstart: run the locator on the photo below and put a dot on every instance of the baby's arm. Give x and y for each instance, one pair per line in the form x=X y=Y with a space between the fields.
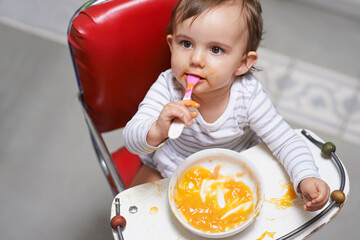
x=289 y=148
x=149 y=126
x=159 y=129
x=315 y=192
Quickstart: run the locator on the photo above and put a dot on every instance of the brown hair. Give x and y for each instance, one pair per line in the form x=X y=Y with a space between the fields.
x=251 y=9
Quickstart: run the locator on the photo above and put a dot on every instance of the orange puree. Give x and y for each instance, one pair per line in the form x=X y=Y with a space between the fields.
x=266 y=233
x=189 y=87
x=212 y=202
x=287 y=200
x=153 y=210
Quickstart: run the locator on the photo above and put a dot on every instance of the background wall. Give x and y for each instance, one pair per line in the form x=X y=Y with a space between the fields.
x=348 y=7
x=52 y=16
x=49 y=17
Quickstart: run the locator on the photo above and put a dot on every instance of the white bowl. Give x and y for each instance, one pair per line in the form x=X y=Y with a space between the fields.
x=232 y=163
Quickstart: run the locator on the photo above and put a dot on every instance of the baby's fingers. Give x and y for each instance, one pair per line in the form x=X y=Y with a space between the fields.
x=172 y=111
x=318 y=199
x=178 y=110
x=316 y=204
x=191 y=103
x=193 y=114
x=320 y=196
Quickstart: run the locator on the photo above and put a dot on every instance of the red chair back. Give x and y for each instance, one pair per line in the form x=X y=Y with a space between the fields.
x=119 y=48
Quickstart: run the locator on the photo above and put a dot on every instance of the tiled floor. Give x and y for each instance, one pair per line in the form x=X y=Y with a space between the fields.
x=319 y=98
x=51 y=186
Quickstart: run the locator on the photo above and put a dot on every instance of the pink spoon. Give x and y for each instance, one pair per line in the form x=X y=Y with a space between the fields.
x=177 y=125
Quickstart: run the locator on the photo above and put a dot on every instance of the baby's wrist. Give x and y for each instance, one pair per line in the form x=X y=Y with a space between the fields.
x=155 y=135
x=303 y=181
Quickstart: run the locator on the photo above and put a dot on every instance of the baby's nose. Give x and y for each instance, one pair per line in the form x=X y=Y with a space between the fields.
x=197 y=59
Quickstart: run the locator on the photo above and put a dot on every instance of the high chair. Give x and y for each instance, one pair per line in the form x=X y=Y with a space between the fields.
x=118 y=48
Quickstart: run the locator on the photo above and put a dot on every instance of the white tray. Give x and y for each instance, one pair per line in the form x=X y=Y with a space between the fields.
x=154 y=219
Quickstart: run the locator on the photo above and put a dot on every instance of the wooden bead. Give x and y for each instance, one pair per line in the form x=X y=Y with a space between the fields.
x=118 y=221
x=338 y=196
x=328 y=148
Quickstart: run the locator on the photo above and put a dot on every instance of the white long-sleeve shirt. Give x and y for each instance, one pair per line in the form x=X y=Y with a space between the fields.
x=249 y=118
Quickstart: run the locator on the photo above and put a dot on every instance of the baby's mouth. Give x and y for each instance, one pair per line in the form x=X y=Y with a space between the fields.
x=201 y=78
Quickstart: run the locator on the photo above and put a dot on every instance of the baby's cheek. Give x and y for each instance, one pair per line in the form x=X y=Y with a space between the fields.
x=211 y=71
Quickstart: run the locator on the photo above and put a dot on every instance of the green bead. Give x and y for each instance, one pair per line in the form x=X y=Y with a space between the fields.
x=328 y=148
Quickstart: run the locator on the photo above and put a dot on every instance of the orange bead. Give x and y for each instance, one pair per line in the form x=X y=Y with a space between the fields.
x=118 y=221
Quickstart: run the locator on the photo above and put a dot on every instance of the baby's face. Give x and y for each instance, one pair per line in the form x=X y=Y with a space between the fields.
x=211 y=47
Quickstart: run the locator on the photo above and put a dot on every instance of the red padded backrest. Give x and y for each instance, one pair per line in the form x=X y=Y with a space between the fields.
x=119 y=48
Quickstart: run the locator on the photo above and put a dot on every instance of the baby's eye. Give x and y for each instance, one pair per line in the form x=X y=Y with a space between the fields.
x=216 y=50
x=186 y=44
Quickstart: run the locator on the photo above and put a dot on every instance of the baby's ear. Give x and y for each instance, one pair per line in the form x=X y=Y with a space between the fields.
x=246 y=63
x=169 y=39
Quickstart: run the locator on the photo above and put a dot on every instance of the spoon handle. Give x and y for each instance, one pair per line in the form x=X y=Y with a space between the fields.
x=177 y=125
x=176 y=129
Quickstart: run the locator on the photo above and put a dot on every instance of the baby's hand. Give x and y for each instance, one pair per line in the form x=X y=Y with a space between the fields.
x=159 y=130
x=315 y=192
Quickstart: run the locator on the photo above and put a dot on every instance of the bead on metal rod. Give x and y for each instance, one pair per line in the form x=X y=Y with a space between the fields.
x=333 y=203
x=117 y=209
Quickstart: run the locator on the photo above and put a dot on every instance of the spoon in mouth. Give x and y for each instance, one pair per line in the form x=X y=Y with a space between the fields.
x=177 y=125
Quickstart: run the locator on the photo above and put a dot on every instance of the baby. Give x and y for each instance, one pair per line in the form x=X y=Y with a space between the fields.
x=216 y=40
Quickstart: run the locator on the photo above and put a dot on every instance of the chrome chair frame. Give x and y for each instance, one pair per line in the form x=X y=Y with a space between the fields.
x=106 y=162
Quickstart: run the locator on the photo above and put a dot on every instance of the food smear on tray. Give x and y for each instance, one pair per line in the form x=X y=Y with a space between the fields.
x=213 y=202
x=153 y=210
x=287 y=200
x=266 y=233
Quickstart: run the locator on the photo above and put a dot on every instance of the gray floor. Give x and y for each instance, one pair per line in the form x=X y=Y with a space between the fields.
x=51 y=186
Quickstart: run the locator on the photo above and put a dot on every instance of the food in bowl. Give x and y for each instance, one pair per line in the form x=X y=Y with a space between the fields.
x=213 y=202
x=216 y=193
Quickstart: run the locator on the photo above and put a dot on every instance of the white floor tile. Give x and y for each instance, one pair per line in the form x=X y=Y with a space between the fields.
x=316 y=97
x=352 y=129
x=275 y=72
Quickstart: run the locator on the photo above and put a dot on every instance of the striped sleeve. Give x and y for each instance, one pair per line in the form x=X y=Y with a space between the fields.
x=136 y=129
x=288 y=147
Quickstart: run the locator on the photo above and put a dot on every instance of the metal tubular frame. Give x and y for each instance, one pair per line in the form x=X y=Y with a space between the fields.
x=102 y=152
x=332 y=204
x=86 y=5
